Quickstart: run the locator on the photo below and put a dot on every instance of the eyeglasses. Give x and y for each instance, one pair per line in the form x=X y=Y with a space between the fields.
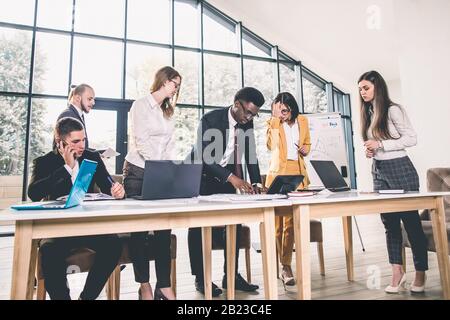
x=176 y=84
x=248 y=114
x=285 y=111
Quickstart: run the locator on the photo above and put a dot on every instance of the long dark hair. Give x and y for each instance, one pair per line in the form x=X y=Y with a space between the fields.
x=379 y=105
x=288 y=99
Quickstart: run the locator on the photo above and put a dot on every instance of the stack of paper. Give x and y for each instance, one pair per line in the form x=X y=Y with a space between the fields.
x=295 y=194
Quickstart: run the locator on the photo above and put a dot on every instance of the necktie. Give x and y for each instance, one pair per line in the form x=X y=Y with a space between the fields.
x=237 y=158
x=85 y=131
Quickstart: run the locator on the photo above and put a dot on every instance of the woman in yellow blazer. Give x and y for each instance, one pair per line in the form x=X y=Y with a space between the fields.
x=288 y=139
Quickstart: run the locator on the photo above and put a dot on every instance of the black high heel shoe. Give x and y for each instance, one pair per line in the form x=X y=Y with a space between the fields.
x=139 y=294
x=158 y=295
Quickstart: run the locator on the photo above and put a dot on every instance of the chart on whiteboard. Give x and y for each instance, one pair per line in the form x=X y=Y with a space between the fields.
x=327 y=143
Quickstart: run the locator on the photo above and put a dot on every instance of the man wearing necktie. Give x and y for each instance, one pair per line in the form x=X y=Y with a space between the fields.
x=224 y=137
x=81 y=101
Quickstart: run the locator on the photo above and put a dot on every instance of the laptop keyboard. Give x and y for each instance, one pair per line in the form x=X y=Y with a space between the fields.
x=53 y=205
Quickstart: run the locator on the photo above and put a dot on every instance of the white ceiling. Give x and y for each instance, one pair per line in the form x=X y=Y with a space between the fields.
x=331 y=37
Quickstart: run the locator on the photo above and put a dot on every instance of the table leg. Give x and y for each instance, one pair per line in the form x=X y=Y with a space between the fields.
x=440 y=240
x=302 y=251
x=267 y=234
x=24 y=262
x=231 y=260
x=348 y=242
x=207 y=247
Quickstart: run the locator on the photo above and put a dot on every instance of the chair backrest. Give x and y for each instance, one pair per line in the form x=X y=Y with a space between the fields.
x=438 y=179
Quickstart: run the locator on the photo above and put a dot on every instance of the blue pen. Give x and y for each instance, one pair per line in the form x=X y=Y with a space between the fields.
x=110 y=180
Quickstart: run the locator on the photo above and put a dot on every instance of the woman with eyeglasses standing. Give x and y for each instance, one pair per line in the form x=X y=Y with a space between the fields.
x=288 y=139
x=387 y=132
x=152 y=138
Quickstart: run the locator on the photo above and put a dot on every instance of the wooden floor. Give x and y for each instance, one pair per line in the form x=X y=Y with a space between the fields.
x=372 y=271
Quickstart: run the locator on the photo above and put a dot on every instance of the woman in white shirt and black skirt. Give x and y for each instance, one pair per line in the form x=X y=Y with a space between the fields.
x=151 y=138
x=387 y=132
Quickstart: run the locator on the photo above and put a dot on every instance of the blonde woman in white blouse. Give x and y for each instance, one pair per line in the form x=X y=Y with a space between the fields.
x=387 y=132
x=151 y=138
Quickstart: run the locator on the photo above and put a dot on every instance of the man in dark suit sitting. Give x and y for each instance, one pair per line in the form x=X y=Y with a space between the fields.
x=52 y=177
x=81 y=101
x=223 y=137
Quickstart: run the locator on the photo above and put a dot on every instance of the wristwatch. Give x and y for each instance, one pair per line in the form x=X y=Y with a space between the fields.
x=257 y=185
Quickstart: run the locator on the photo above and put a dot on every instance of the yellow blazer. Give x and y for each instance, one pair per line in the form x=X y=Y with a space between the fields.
x=276 y=142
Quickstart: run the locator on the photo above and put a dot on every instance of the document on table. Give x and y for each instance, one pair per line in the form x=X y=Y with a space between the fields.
x=92 y=197
x=231 y=197
x=109 y=153
x=391 y=191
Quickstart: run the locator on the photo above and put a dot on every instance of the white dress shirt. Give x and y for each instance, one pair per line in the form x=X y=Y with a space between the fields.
x=151 y=134
x=292 y=138
x=73 y=172
x=401 y=130
x=230 y=144
x=80 y=112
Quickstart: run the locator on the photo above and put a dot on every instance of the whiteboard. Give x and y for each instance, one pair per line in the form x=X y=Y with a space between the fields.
x=327 y=143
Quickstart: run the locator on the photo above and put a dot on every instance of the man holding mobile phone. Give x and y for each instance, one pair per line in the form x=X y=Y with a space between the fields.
x=52 y=176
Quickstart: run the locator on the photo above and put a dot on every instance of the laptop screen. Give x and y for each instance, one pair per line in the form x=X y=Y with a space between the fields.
x=82 y=183
x=166 y=179
x=329 y=174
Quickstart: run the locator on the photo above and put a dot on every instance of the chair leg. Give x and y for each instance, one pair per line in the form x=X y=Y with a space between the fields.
x=113 y=285
x=247 y=265
x=404 y=259
x=41 y=293
x=173 y=276
x=321 y=258
x=278 y=262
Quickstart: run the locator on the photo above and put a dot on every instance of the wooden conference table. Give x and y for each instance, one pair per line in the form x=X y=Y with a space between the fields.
x=348 y=204
x=111 y=217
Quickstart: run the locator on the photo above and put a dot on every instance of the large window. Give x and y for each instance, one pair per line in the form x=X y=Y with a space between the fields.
x=221 y=79
x=142 y=63
x=18 y=11
x=314 y=97
x=52 y=63
x=13 y=113
x=149 y=20
x=186 y=24
x=55 y=14
x=260 y=74
x=187 y=64
x=288 y=78
x=100 y=64
x=15 y=57
x=116 y=46
x=102 y=17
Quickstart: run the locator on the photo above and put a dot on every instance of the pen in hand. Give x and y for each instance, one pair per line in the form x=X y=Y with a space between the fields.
x=301 y=150
x=110 y=180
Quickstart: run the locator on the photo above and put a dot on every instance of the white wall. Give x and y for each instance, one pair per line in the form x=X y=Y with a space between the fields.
x=424 y=63
x=423 y=35
x=411 y=49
